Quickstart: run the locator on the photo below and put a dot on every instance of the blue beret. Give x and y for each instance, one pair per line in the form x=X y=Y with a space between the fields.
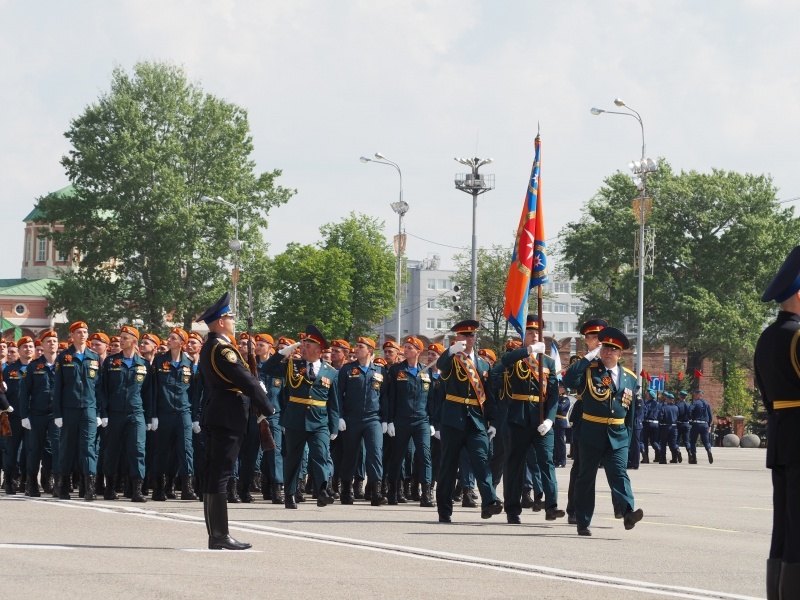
x=787 y=282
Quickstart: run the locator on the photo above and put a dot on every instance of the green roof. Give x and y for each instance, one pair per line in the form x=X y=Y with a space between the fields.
x=65 y=193
x=24 y=287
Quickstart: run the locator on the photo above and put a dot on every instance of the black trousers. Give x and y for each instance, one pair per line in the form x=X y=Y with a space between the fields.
x=785 y=514
x=222 y=448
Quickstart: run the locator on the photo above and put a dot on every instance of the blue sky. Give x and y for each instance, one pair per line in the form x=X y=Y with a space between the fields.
x=716 y=83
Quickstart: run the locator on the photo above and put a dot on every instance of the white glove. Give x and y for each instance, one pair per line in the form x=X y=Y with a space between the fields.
x=26 y=423
x=334 y=436
x=537 y=348
x=457 y=347
x=153 y=424
x=149 y=427
x=593 y=354
x=390 y=430
x=196 y=426
x=263 y=387
x=384 y=428
x=99 y=422
x=342 y=425
x=283 y=429
x=104 y=422
x=492 y=432
x=5 y=387
x=288 y=350
x=433 y=430
x=259 y=418
x=437 y=434
x=546 y=425
x=10 y=409
x=59 y=422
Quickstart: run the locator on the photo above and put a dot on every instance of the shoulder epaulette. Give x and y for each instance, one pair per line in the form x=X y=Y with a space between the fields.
x=627 y=370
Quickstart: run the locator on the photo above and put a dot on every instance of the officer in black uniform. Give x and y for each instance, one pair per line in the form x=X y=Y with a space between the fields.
x=777 y=375
x=230 y=388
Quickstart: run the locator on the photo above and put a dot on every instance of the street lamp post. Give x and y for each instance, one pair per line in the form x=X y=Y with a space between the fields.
x=401 y=208
x=640 y=168
x=235 y=245
x=474 y=184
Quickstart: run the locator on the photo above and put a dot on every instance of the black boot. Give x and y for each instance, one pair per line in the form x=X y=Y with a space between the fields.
x=337 y=487
x=457 y=495
x=407 y=490
x=466 y=499
x=298 y=495
x=169 y=487
x=99 y=485
x=526 y=501
x=136 y=491
x=377 y=497
x=220 y=538
x=358 y=489
x=233 y=496
x=415 y=495
x=324 y=497
x=56 y=485
x=21 y=485
x=391 y=493
x=126 y=484
x=426 y=498
x=367 y=491
x=63 y=488
x=147 y=484
x=158 y=489
x=710 y=457
x=187 y=492
x=645 y=458
x=81 y=485
x=33 y=487
x=47 y=481
x=277 y=493
x=538 y=503
x=90 y=494
x=244 y=492
x=401 y=497
x=789 y=585
x=773 y=578
x=110 y=492
x=346 y=496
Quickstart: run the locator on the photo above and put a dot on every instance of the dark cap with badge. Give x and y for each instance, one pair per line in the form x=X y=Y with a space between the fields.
x=593 y=326
x=532 y=322
x=314 y=335
x=787 y=281
x=466 y=327
x=611 y=336
x=216 y=310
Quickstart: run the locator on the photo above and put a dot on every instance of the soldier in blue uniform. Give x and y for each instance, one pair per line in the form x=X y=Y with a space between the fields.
x=607 y=390
x=310 y=414
x=271 y=460
x=561 y=425
x=684 y=419
x=77 y=371
x=701 y=417
x=166 y=390
x=519 y=371
x=408 y=390
x=650 y=432
x=119 y=396
x=36 y=410
x=465 y=418
x=362 y=418
x=636 y=449
x=668 y=429
x=16 y=444
x=230 y=389
x=777 y=376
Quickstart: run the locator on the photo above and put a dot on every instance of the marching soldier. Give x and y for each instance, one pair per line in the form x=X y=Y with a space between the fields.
x=465 y=417
x=561 y=425
x=77 y=371
x=230 y=390
x=196 y=395
x=702 y=418
x=650 y=429
x=13 y=375
x=519 y=371
x=668 y=429
x=310 y=416
x=124 y=413
x=606 y=389
x=778 y=378
x=684 y=419
x=271 y=460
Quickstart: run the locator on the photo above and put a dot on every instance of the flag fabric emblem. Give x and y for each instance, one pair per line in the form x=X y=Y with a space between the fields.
x=529 y=258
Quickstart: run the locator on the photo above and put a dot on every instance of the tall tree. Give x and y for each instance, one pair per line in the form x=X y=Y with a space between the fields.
x=720 y=237
x=142 y=157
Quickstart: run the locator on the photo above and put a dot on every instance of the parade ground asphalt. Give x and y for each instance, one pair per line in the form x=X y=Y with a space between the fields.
x=705 y=534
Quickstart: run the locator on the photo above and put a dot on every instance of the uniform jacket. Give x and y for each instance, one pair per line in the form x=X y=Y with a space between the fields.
x=13 y=375
x=229 y=386
x=274 y=387
x=120 y=389
x=778 y=379
x=561 y=412
x=408 y=395
x=455 y=382
x=323 y=389
x=700 y=410
x=603 y=400
x=520 y=380
x=36 y=391
x=167 y=387
x=75 y=380
x=651 y=410
x=362 y=395
x=197 y=392
x=668 y=414
x=683 y=411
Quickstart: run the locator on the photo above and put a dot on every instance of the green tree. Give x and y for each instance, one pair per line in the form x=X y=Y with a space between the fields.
x=737 y=398
x=142 y=156
x=720 y=237
x=372 y=270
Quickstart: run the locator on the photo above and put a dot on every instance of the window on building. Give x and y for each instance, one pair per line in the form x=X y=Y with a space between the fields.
x=561 y=287
x=666 y=358
x=560 y=307
x=547 y=306
x=443 y=284
x=60 y=256
x=431 y=284
x=28 y=248
x=41 y=252
x=430 y=324
x=576 y=309
x=573 y=346
x=431 y=303
x=442 y=324
x=20 y=309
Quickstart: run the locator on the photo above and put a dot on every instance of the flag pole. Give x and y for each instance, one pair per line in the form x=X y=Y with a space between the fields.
x=541 y=361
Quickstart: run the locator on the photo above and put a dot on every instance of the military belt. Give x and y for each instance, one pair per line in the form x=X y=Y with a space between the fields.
x=682 y=422
x=651 y=421
x=309 y=401
x=462 y=400
x=561 y=416
x=603 y=420
x=525 y=397
x=781 y=404
x=703 y=422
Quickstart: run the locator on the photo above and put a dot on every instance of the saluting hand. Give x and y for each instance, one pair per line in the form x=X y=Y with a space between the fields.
x=457 y=347
x=288 y=350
